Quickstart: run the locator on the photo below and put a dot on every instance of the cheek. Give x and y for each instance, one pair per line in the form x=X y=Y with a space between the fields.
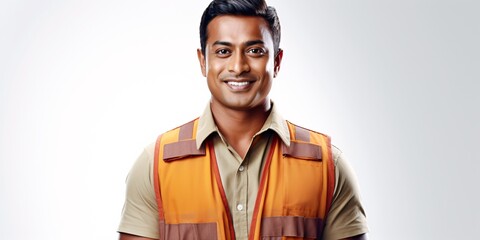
x=214 y=67
x=263 y=66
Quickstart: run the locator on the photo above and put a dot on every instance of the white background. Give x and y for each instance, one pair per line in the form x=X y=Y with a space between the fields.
x=85 y=85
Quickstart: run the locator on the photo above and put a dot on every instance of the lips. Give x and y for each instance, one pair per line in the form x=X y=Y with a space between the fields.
x=239 y=85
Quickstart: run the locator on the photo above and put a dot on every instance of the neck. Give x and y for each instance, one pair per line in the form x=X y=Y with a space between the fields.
x=238 y=126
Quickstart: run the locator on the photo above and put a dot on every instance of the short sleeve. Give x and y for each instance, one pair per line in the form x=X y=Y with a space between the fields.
x=140 y=215
x=346 y=217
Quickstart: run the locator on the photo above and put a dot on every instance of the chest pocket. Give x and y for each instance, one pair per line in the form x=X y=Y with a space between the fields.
x=303 y=179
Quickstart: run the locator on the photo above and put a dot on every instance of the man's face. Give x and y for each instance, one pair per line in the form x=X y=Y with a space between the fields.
x=239 y=62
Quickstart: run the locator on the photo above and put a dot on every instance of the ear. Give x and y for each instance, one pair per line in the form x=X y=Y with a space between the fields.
x=202 y=61
x=277 y=62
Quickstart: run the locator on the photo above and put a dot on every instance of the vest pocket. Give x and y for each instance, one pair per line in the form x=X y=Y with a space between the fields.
x=274 y=228
x=191 y=231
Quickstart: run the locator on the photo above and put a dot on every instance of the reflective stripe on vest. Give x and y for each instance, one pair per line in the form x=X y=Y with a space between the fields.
x=295 y=190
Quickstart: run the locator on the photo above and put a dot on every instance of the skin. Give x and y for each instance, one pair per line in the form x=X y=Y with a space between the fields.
x=239 y=49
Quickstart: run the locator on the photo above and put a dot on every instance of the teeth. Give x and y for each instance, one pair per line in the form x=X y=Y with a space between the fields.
x=238 y=84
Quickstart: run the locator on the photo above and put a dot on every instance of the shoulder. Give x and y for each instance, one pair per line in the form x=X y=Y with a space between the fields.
x=298 y=128
x=336 y=154
x=149 y=151
x=186 y=131
x=345 y=178
x=188 y=126
x=141 y=171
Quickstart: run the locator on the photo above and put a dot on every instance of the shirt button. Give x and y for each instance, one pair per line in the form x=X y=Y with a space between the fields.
x=239 y=207
x=241 y=168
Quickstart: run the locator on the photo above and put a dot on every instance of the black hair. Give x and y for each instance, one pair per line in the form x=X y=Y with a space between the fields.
x=242 y=8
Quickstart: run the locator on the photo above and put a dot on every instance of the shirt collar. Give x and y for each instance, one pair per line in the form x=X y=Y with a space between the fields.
x=275 y=122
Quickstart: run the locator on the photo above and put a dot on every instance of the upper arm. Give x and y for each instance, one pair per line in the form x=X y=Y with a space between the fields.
x=346 y=217
x=140 y=211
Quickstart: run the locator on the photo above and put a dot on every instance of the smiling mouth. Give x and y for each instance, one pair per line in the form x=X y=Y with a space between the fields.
x=239 y=85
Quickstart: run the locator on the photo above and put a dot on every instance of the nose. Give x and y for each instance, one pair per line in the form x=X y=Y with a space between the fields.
x=238 y=63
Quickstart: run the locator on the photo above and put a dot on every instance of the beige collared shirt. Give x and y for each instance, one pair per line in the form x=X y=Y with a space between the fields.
x=240 y=179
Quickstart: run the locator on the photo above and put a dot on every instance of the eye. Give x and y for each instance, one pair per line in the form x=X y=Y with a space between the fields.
x=256 y=52
x=222 y=52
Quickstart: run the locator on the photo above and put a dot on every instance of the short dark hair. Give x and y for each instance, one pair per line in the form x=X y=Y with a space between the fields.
x=241 y=8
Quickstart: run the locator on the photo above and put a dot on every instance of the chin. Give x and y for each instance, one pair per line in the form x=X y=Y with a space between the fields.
x=246 y=105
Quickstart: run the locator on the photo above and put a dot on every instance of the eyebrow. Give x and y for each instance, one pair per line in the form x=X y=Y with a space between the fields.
x=222 y=43
x=253 y=42
x=248 y=43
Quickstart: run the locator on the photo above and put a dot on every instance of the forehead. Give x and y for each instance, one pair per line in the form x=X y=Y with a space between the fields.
x=234 y=29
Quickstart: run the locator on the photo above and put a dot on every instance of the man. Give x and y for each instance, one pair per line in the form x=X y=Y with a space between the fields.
x=240 y=171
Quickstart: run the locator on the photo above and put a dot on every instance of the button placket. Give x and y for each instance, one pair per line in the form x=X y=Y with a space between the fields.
x=240 y=207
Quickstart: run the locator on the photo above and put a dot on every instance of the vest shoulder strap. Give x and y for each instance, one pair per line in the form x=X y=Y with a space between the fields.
x=180 y=142
x=304 y=143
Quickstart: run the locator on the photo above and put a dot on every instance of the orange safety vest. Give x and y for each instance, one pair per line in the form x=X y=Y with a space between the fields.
x=295 y=191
